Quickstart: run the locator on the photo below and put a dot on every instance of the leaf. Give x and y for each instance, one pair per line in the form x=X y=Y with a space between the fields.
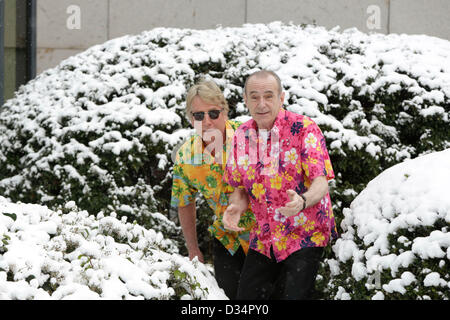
x=85 y=233
x=179 y=275
x=5 y=239
x=30 y=277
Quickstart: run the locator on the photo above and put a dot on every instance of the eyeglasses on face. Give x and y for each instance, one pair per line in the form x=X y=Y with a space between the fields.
x=213 y=114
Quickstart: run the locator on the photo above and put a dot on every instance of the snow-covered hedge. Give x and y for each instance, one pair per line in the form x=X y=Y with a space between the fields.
x=69 y=254
x=396 y=243
x=100 y=128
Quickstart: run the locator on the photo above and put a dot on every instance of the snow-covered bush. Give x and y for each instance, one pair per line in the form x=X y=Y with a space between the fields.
x=396 y=240
x=69 y=254
x=100 y=128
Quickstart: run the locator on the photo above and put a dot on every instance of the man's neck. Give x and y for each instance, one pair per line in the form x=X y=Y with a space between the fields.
x=211 y=146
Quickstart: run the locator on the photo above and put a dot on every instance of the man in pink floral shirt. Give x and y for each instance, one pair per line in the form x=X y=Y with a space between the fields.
x=279 y=159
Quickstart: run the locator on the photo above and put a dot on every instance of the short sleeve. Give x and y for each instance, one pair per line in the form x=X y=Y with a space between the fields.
x=314 y=154
x=182 y=193
x=231 y=175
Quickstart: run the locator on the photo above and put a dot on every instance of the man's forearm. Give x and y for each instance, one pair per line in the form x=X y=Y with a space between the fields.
x=316 y=192
x=188 y=222
x=239 y=198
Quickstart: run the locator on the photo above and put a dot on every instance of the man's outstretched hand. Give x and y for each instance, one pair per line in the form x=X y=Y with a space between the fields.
x=238 y=205
x=293 y=206
x=231 y=218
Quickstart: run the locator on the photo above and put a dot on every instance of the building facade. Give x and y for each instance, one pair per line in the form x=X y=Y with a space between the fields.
x=67 y=27
x=17 y=45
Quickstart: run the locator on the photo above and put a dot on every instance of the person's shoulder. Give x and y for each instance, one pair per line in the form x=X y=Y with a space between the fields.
x=244 y=126
x=183 y=152
x=293 y=118
x=234 y=124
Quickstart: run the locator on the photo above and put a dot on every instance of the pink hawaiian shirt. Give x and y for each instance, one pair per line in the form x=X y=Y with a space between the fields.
x=267 y=163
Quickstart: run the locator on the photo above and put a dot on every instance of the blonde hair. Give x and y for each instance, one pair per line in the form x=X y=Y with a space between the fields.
x=209 y=92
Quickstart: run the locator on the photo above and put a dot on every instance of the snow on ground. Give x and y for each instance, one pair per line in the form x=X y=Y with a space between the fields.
x=69 y=254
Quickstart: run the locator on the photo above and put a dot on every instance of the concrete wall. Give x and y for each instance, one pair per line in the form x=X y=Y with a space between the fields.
x=66 y=27
x=15 y=46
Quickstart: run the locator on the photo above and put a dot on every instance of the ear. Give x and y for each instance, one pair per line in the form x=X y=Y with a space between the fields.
x=282 y=98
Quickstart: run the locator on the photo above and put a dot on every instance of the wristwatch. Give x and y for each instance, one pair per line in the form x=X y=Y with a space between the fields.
x=304 y=201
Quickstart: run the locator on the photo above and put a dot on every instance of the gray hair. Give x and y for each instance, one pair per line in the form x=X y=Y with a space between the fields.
x=264 y=73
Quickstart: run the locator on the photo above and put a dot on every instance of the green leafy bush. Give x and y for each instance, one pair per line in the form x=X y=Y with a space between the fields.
x=100 y=128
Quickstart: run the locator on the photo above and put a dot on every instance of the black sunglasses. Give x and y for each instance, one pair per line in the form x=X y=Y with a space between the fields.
x=213 y=114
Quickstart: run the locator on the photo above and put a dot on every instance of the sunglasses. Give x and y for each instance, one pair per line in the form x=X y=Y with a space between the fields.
x=213 y=115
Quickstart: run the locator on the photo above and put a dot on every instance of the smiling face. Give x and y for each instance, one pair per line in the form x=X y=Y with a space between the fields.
x=263 y=99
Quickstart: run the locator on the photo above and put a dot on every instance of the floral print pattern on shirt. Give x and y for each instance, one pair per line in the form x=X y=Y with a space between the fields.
x=290 y=156
x=196 y=171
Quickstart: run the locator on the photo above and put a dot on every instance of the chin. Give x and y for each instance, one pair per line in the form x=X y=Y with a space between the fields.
x=265 y=123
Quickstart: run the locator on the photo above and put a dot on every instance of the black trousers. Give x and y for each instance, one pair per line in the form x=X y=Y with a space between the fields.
x=227 y=268
x=290 y=279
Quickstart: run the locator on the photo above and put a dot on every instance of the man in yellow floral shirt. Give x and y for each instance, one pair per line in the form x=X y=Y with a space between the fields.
x=198 y=168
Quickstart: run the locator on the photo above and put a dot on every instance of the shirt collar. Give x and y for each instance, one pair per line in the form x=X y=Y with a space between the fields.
x=229 y=131
x=200 y=147
x=280 y=119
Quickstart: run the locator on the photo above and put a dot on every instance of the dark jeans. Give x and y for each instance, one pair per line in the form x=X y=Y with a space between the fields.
x=290 y=279
x=227 y=268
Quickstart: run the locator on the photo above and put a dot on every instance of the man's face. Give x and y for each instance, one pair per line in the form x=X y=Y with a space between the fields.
x=208 y=128
x=263 y=101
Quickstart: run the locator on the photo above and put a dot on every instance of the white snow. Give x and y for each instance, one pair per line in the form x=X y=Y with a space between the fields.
x=408 y=195
x=79 y=256
x=434 y=279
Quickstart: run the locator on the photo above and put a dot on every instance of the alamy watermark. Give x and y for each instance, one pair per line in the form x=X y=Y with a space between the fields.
x=251 y=148
x=73 y=21
x=374 y=280
x=373 y=21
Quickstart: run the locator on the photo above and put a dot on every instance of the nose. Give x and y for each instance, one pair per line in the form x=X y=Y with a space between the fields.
x=207 y=119
x=261 y=103
x=207 y=122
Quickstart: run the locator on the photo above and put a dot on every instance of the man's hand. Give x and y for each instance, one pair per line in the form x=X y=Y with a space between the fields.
x=294 y=206
x=238 y=205
x=231 y=218
x=315 y=193
x=196 y=253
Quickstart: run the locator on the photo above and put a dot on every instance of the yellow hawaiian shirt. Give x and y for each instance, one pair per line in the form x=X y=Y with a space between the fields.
x=197 y=171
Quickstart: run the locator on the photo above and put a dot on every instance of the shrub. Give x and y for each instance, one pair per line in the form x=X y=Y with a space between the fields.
x=100 y=128
x=396 y=240
x=69 y=254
